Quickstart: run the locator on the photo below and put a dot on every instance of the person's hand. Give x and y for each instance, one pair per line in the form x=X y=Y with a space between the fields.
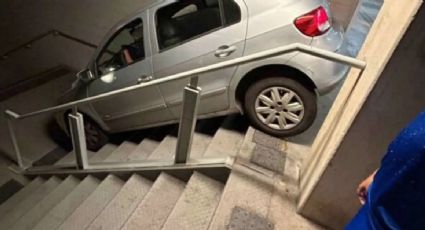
x=363 y=188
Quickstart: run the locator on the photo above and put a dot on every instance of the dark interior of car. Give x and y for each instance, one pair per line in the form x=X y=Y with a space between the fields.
x=174 y=30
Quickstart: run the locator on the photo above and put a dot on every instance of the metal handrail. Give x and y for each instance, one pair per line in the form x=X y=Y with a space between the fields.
x=54 y=32
x=296 y=47
x=189 y=110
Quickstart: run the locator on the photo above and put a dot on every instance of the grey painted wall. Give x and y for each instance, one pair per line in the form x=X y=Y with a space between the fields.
x=32 y=133
x=21 y=21
x=396 y=99
x=343 y=10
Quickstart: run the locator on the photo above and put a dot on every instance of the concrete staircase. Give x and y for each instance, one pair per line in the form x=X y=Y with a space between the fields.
x=248 y=197
x=130 y=201
x=113 y=202
x=213 y=138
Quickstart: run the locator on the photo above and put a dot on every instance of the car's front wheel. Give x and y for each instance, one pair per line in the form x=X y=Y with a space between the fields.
x=95 y=136
x=280 y=106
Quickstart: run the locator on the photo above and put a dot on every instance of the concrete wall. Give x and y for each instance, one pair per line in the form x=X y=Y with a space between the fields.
x=21 y=21
x=32 y=132
x=343 y=10
x=396 y=99
x=361 y=22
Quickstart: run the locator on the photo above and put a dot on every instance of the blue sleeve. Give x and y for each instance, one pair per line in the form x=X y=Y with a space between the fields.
x=397 y=197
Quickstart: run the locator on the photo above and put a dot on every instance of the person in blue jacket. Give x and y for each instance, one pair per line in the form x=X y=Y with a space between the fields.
x=393 y=197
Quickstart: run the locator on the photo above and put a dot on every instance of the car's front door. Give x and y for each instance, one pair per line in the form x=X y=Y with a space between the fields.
x=125 y=60
x=195 y=33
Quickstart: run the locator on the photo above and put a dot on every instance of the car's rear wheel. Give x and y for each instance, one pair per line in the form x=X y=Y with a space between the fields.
x=95 y=136
x=280 y=106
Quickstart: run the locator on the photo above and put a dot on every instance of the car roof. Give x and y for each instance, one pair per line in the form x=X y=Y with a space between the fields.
x=145 y=5
x=123 y=21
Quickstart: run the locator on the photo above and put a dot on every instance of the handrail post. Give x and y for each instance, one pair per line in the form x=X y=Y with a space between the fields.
x=14 y=140
x=76 y=124
x=187 y=121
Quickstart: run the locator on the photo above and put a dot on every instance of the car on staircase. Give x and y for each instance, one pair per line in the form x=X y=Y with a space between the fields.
x=166 y=37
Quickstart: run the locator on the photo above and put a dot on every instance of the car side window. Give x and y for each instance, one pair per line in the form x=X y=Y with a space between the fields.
x=185 y=20
x=232 y=12
x=124 y=48
x=192 y=8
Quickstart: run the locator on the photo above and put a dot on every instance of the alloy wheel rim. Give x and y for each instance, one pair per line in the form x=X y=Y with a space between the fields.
x=279 y=108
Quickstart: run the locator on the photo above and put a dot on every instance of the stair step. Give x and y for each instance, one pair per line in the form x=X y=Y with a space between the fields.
x=21 y=195
x=70 y=158
x=98 y=156
x=30 y=201
x=60 y=212
x=4 y=177
x=122 y=152
x=228 y=139
x=103 y=153
x=123 y=204
x=94 y=204
x=9 y=189
x=28 y=220
x=195 y=208
x=155 y=208
x=143 y=150
x=165 y=150
x=200 y=143
x=246 y=189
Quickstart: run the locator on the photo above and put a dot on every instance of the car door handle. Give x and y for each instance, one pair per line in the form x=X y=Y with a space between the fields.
x=224 y=51
x=143 y=79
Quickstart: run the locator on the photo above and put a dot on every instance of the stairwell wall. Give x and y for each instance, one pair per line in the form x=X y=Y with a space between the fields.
x=343 y=10
x=388 y=95
x=21 y=21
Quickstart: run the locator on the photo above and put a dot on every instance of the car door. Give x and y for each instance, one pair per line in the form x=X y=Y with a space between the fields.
x=125 y=60
x=195 y=33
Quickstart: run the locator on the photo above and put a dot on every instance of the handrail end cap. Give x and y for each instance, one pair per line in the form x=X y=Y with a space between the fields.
x=11 y=114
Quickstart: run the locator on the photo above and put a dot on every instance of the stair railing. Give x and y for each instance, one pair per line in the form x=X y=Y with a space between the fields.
x=28 y=44
x=188 y=117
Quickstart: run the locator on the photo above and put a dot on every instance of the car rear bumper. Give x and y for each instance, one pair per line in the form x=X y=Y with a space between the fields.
x=324 y=73
x=336 y=74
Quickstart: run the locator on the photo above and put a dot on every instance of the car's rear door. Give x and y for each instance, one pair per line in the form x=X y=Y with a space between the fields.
x=195 y=33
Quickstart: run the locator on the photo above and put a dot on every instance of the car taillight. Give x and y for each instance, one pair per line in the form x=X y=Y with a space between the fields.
x=314 y=23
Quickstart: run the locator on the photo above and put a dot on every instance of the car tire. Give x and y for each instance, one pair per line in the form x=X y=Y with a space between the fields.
x=96 y=138
x=280 y=106
x=58 y=135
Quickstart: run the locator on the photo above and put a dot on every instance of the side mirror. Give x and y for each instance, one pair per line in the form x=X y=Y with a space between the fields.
x=85 y=75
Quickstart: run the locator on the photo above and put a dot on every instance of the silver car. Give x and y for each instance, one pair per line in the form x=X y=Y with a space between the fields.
x=166 y=37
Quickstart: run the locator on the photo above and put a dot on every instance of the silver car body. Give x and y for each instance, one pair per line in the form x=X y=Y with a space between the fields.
x=264 y=25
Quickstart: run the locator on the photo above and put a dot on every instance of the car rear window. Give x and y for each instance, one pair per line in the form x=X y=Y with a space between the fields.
x=185 y=20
